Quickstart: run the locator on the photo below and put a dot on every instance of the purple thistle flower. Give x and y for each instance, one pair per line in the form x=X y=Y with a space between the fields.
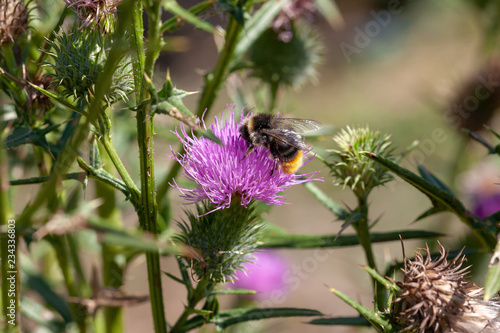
x=221 y=173
x=266 y=275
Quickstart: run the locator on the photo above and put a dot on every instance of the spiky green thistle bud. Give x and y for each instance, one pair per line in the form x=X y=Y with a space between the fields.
x=13 y=20
x=289 y=63
x=354 y=170
x=79 y=58
x=223 y=240
x=435 y=296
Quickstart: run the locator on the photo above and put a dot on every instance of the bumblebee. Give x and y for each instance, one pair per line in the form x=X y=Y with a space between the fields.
x=280 y=135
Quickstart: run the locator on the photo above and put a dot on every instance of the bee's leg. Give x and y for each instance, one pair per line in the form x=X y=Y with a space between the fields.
x=274 y=153
x=275 y=166
x=249 y=150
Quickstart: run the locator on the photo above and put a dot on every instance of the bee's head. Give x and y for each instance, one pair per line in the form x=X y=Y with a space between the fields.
x=259 y=139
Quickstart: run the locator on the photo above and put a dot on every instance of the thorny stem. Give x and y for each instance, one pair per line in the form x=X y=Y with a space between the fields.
x=214 y=79
x=112 y=272
x=148 y=213
x=363 y=231
x=115 y=159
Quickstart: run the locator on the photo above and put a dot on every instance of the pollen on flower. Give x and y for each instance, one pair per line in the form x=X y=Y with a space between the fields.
x=221 y=172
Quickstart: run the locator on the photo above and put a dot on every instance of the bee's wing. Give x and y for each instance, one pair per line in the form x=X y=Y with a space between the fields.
x=284 y=135
x=298 y=125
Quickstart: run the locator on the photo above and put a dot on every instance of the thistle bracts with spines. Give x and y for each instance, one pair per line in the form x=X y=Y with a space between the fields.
x=354 y=170
x=290 y=63
x=223 y=240
x=78 y=59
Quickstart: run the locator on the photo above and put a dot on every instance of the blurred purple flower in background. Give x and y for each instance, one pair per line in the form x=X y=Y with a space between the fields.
x=221 y=173
x=292 y=11
x=485 y=205
x=266 y=275
x=481 y=185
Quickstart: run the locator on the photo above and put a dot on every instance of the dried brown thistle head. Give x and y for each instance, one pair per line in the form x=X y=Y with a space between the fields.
x=436 y=297
x=94 y=12
x=13 y=20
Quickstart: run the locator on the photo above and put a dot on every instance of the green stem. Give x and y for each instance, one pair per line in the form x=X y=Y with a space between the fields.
x=63 y=260
x=138 y=64
x=83 y=285
x=112 y=271
x=113 y=275
x=197 y=295
x=39 y=155
x=122 y=171
x=148 y=213
x=363 y=231
x=214 y=79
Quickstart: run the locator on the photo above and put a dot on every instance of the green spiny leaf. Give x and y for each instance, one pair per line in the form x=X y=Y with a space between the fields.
x=380 y=323
x=173 y=7
x=341 y=321
x=240 y=315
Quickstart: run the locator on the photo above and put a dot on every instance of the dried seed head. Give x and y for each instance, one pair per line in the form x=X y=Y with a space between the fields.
x=436 y=297
x=95 y=13
x=13 y=20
